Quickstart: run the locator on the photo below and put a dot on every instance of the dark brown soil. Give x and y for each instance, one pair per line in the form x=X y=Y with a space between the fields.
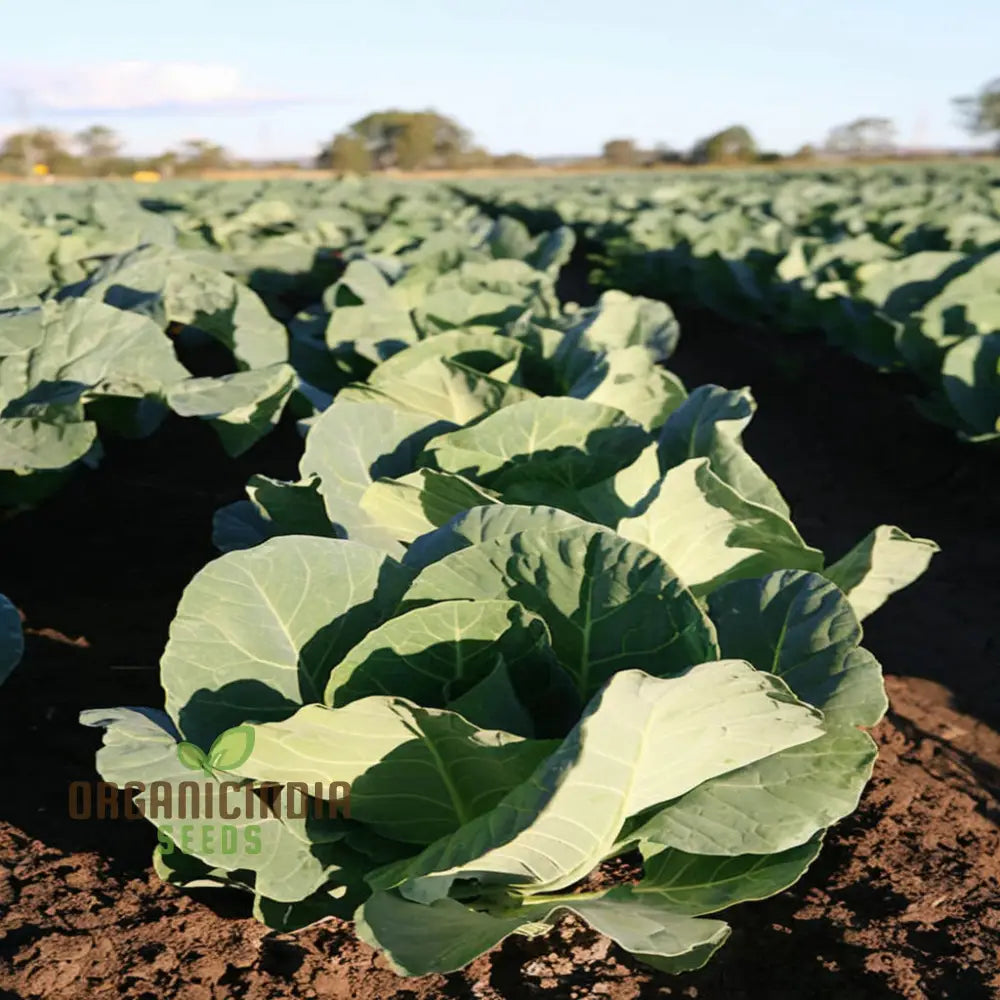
x=903 y=902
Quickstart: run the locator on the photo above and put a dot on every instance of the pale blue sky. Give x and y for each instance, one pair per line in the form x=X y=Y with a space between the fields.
x=539 y=76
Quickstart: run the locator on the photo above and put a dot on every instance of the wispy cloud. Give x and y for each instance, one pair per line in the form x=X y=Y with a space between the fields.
x=137 y=88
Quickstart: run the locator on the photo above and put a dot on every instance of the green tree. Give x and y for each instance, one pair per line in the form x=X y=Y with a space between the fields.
x=664 y=153
x=203 y=154
x=475 y=158
x=981 y=112
x=99 y=146
x=409 y=140
x=863 y=137
x=732 y=145
x=166 y=164
x=345 y=153
x=513 y=161
x=21 y=151
x=416 y=143
x=620 y=153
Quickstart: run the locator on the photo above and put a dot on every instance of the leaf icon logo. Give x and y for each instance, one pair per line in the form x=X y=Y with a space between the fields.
x=231 y=748
x=191 y=756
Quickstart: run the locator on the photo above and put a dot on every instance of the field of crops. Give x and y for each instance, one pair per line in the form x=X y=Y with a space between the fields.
x=502 y=550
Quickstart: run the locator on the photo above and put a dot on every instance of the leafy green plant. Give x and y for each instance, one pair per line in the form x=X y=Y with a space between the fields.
x=394 y=458
x=523 y=696
x=299 y=291
x=897 y=266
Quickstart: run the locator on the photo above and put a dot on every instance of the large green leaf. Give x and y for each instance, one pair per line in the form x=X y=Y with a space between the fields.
x=884 y=561
x=275 y=508
x=183 y=287
x=509 y=237
x=629 y=380
x=625 y=493
x=103 y=351
x=353 y=444
x=241 y=407
x=483 y=351
x=444 y=389
x=21 y=329
x=693 y=885
x=415 y=504
x=436 y=653
x=552 y=250
x=709 y=534
x=140 y=745
x=623 y=321
x=771 y=805
x=968 y=304
x=899 y=287
x=366 y=311
x=570 y=442
x=667 y=941
x=483 y=523
x=971 y=378
x=709 y=424
x=484 y=294
x=494 y=703
x=445 y=935
x=25 y=271
x=643 y=740
x=28 y=443
x=415 y=774
x=800 y=627
x=610 y=604
x=257 y=631
x=441 y=937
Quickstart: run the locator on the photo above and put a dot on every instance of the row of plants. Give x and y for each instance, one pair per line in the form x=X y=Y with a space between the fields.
x=101 y=297
x=898 y=266
x=531 y=602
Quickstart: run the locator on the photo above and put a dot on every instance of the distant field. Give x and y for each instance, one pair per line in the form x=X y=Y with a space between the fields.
x=549 y=171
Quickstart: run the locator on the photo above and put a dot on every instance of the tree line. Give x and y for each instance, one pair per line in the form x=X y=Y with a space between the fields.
x=421 y=140
x=97 y=152
x=426 y=140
